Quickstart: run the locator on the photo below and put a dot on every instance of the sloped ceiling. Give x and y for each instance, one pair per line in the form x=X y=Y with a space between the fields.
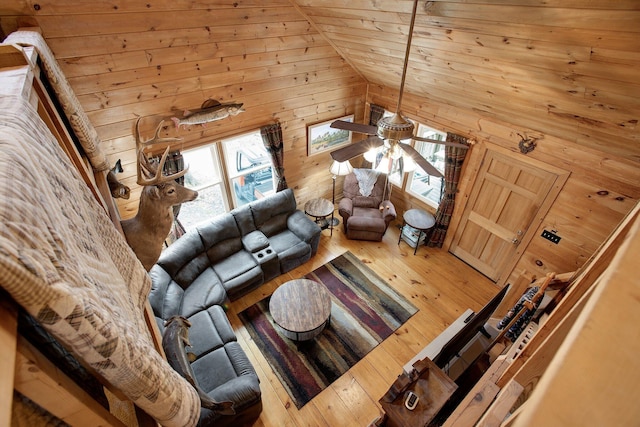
x=566 y=68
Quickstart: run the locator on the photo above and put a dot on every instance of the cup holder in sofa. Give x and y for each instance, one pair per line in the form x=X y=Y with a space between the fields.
x=268 y=260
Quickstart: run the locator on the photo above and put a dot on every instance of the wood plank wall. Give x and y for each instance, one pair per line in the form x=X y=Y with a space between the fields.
x=566 y=68
x=156 y=60
x=601 y=189
x=562 y=71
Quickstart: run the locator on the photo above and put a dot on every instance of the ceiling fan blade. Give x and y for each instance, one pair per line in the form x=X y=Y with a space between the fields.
x=437 y=141
x=354 y=127
x=355 y=149
x=421 y=161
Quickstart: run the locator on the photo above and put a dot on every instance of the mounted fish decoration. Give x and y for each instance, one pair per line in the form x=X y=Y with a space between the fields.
x=210 y=111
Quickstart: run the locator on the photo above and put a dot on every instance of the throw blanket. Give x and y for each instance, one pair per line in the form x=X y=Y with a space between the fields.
x=366 y=180
x=62 y=259
x=82 y=127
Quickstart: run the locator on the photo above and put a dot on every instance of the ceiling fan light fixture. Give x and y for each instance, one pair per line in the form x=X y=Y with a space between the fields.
x=395 y=127
x=370 y=156
x=409 y=164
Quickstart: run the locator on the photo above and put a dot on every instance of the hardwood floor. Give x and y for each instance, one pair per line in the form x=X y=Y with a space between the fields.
x=439 y=284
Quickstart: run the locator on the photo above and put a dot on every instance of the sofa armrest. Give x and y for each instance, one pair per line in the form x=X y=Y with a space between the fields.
x=300 y=225
x=388 y=211
x=345 y=208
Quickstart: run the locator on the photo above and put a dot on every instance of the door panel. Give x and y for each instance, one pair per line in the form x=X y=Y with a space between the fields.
x=503 y=203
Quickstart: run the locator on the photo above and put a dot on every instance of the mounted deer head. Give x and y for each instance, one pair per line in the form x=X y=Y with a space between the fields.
x=147 y=231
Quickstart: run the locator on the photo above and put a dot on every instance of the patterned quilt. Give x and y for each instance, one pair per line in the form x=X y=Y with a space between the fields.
x=62 y=259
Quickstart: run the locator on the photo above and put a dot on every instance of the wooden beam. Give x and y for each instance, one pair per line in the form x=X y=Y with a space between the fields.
x=592 y=380
x=8 y=344
x=503 y=403
x=42 y=382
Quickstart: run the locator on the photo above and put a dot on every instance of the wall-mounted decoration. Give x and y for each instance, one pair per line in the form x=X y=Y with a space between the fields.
x=210 y=111
x=526 y=144
x=321 y=137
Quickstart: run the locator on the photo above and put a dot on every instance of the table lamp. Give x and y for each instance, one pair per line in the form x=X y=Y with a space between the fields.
x=338 y=168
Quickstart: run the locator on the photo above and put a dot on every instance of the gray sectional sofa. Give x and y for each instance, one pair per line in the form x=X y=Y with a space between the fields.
x=217 y=263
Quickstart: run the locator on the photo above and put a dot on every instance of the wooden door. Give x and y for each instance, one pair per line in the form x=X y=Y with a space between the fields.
x=506 y=198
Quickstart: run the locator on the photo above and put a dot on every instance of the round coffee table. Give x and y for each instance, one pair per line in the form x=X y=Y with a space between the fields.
x=301 y=308
x=418 y=219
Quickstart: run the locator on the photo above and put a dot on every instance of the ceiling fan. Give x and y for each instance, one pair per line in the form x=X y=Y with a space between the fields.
x=389 y=131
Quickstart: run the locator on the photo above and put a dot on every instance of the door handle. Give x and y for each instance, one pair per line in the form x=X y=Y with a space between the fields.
x=515 y=240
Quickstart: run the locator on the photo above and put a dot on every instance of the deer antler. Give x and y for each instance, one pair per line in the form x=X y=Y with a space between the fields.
x=152 y=173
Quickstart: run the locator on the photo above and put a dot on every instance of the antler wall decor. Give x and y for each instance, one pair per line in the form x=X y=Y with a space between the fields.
x=147 y=231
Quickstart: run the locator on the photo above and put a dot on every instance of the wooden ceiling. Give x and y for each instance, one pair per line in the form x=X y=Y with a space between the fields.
x=564 y=68
x=561 y=67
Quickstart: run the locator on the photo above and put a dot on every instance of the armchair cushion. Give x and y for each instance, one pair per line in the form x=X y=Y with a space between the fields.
x=365 y=202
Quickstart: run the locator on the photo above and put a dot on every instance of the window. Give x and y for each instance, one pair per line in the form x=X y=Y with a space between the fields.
x=204 y=176
x=248 y=176
x=425 y=187
x=249 y=168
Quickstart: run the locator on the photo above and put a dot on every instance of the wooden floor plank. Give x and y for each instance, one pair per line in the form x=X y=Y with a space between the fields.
x=440 y=285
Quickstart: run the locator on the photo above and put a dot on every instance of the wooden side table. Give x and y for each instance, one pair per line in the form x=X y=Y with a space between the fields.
x=301 y=308
x=320 y=209
x=420 y=220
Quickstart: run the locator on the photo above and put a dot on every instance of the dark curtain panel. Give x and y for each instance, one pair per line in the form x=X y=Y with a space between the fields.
x=454 y=158
x=375 y=114
x=272 y=139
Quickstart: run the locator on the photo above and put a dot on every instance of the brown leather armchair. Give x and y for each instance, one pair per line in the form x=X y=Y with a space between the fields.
x=366 y=217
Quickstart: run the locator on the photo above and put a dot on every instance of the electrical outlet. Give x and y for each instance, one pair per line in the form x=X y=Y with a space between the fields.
x=550 y=236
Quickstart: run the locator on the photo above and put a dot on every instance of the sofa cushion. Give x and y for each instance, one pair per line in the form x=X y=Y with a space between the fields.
x=166 y=295
x=270 y=214
x=239 y=272
x=220 y=237
x=210 y=330
x=168 y=298
x=205 y=291
x=255 y=241
x=244 y=219
x=222 y=368
x=291 y=251
x=185 y=259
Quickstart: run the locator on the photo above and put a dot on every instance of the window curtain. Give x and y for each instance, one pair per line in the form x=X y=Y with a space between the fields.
x=376 y=113
x=273 y=142
x=454 y=158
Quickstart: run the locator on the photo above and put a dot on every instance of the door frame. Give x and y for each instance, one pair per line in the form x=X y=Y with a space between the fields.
x=470 y=174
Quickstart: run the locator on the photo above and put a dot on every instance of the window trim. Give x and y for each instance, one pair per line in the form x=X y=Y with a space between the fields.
x=410 y=175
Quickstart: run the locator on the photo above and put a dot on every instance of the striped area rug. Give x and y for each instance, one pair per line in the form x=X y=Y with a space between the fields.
x=365 y=311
